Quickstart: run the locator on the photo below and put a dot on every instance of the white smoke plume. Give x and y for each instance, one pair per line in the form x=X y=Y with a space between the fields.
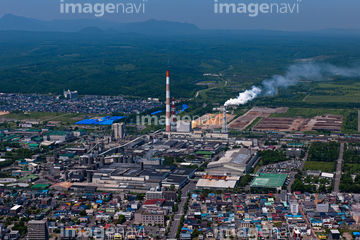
x=295 y=73
x=244 y=97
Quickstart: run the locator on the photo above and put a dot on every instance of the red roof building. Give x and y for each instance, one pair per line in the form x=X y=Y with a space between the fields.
x=155 y=202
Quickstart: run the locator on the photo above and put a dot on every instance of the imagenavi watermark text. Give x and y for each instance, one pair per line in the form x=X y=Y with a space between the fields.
x=254 y=9
x=100 y=9
x=219 y=232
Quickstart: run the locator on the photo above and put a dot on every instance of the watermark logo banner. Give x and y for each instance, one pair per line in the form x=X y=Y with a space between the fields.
x=100 y=9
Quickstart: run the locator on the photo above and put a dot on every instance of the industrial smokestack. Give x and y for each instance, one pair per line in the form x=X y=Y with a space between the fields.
x=168 y=127
x=173 y=116
x=224 y=126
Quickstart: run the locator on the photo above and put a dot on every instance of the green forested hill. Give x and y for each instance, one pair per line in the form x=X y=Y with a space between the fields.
x=134 y=64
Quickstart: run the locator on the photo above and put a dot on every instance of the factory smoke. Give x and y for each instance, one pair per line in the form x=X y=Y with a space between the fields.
x=244 y=97
x=294 y=74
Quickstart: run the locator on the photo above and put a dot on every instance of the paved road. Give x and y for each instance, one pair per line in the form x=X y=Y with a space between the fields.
x=175 y=224
x=237 y=223
x=198 y=92
x=338 y=169
x=91 y=224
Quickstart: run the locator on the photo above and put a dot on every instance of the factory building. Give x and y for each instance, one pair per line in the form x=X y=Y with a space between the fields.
x=162 y=145
x=248 y=142
x=183 y=126
x=293 y=152
x=139 y=177
x=176 y=180
x=70 y=94
x=126 y=175
x=217 y=182
x=60 y=136
x=152 y=194
x=118 y=130
x=235 y=162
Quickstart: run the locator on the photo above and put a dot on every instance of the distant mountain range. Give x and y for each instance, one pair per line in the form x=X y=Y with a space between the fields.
x=150 y=27
x=95 y=26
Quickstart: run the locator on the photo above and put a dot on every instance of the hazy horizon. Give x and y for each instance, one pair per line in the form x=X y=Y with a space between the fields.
x=322 y=14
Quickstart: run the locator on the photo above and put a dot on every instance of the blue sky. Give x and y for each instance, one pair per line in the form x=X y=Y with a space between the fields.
x=313 y=14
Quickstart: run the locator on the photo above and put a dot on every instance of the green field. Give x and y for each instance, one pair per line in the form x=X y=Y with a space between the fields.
x=339 y=91
x=322 y=166
x=351 y=168
x=308 y=112
x=32 y=115
x=254 y=123
x=70 y=118
x=330 y=99
x=349 y=87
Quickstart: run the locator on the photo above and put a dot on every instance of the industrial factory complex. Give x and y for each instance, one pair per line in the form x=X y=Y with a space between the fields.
x=140 y=165
x=116 y=162
x=193 y=174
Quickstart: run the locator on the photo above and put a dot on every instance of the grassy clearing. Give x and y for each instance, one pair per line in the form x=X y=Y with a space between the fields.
x=254 y=123
x=347 y=86
x=277 y=224
x=70 y=118
x=351 y=167
x=207 y=81
x=309 y=113
x=321 y=111
x=322 y=166
x=335 y=92
x=340 y=98
x=33 y=115
x=240 y=111
x=293 y=112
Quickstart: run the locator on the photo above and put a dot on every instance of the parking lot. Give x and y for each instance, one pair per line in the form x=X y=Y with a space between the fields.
x=283 y=167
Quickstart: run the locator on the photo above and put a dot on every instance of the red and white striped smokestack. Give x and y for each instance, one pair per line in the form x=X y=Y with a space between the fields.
x=173 y=116
x=168 y=128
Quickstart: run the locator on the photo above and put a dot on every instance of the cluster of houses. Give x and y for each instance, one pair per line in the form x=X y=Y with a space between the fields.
x=330 y=211
x=284 y=216
x=70 y=214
